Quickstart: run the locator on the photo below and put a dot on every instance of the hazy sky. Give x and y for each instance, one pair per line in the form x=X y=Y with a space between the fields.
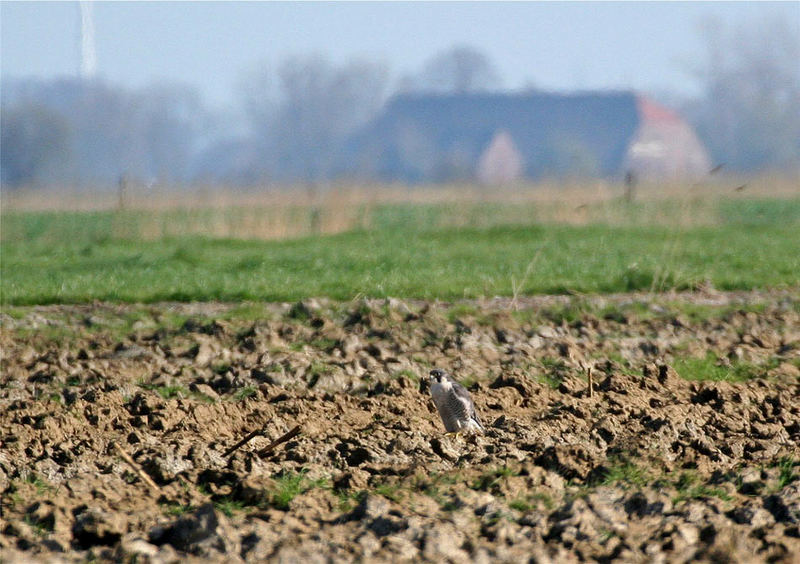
x=552 y=45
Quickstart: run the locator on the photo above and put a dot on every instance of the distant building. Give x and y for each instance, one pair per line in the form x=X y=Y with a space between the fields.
x=497 y=138
x=501 y=161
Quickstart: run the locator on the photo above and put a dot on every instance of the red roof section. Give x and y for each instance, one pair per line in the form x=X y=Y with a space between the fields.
x=654 y=112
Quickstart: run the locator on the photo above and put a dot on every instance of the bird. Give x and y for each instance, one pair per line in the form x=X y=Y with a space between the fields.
x=454 y=404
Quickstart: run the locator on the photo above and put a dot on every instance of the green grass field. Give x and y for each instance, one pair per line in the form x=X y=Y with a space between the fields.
x=407 y=251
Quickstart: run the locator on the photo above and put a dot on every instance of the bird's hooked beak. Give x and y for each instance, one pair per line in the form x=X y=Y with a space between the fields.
x=435 y=375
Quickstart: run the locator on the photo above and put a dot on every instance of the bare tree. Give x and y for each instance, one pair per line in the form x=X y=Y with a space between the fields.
x=35 y=142
x=748 y=116
x=458 y=70
x=167 y=121
x=88 y=131
x=317 y=106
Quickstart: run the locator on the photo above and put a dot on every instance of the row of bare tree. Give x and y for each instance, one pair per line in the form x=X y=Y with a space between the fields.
x=298 y=117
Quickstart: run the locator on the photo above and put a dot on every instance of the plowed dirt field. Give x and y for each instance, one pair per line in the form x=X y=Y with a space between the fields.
x=623 y=427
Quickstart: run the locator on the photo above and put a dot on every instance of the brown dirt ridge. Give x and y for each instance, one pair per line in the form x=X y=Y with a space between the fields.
x=118 y=422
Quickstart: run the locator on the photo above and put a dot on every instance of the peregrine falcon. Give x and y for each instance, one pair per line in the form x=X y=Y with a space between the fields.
x=453 y=403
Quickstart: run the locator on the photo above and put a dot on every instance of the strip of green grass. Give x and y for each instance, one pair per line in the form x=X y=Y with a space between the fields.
x=396 y=261
x=710 y=368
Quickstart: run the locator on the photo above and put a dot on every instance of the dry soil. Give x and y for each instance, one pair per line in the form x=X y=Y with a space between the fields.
x=114 y=437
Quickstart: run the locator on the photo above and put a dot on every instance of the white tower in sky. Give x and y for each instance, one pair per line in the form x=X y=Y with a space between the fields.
x=88 y=58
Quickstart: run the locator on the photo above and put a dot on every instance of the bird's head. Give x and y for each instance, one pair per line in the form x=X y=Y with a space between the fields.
x=437 y=375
